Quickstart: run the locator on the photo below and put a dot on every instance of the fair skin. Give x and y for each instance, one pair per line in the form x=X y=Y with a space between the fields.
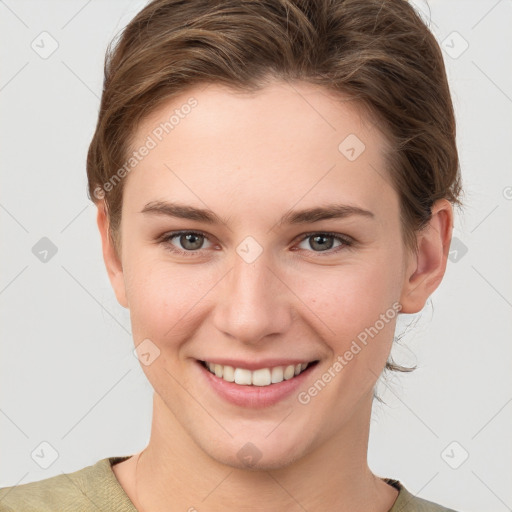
x=251 y=158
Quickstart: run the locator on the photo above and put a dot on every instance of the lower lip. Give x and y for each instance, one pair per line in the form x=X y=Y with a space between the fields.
x=254 y=396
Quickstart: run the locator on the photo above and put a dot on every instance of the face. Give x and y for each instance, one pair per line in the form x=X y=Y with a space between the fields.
x=255 y=284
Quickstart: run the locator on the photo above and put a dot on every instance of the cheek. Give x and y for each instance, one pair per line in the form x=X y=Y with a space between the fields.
x=164 y=298
x=351 y=296
x=369 y=315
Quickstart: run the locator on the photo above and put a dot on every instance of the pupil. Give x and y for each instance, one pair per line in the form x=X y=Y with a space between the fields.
x=190 y=238
x=322 y=246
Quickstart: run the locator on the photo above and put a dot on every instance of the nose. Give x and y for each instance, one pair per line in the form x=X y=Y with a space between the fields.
x=254 y=303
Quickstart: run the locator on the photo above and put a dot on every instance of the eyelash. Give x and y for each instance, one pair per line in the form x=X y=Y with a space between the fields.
x=166 y=241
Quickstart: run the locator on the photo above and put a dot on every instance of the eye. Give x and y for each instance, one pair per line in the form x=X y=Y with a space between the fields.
x=190 y=242
x=324 y=242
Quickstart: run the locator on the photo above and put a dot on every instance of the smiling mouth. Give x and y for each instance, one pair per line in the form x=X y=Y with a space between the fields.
x=260 y=377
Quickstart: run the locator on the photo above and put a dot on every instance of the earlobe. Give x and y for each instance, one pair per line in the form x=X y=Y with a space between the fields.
x=426 y=268
x=110 y=257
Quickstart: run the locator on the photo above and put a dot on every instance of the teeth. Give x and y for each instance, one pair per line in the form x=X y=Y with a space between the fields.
x=277 y=374
x=243 y=377
x=261 y=377
x=289 y=372
x=229 y=374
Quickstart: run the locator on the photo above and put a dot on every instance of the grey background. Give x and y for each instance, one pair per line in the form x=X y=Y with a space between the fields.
x=68 y=374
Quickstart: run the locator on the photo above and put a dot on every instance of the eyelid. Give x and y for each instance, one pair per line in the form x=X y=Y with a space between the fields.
x=167 y=237
x=347 y=242
x=340 y=236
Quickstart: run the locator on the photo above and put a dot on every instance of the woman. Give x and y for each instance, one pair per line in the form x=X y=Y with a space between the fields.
x=274 y=183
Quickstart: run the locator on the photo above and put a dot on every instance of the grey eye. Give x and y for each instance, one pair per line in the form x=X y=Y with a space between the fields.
x=320 y=242
x=189 y=241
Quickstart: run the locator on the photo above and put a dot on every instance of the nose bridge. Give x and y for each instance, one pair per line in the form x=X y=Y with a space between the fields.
x=254 y=301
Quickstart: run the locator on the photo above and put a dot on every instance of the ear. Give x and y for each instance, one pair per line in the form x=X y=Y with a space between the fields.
x=425 y=269
x=110 y=257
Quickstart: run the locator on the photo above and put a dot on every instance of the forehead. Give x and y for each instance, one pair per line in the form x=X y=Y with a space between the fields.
x=298 y=109
x=293 y=139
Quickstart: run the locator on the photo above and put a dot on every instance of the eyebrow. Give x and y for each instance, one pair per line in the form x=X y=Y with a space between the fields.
x=309 y=215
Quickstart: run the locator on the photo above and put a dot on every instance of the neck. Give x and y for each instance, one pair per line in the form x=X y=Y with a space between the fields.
x=173 y=469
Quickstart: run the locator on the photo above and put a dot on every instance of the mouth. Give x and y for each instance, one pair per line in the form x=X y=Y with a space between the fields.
x=260 y=377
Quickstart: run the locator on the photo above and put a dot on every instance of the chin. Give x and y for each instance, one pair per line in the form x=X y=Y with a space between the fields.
x=255 y=456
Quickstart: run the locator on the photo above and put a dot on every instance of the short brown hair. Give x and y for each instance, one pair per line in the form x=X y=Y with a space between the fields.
x=379 y=53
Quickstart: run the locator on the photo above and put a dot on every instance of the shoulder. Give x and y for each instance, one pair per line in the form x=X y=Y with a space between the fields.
x=407 y=502
x=91 y=488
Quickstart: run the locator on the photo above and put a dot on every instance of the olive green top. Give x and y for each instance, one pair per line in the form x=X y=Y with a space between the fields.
x=95 y=488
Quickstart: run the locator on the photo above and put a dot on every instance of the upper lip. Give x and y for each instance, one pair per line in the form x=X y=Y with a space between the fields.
x=256 y=365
